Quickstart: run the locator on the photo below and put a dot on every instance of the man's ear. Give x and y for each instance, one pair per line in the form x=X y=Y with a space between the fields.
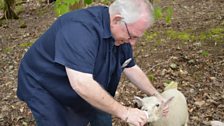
x=138 y=101
x=115 y=19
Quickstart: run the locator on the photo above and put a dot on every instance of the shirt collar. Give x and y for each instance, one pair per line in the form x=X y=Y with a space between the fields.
x=106 y=23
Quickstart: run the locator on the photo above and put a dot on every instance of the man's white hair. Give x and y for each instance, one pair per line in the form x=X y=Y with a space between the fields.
x=132 y=10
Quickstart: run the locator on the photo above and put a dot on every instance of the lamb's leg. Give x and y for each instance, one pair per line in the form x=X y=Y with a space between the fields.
x=186 y=121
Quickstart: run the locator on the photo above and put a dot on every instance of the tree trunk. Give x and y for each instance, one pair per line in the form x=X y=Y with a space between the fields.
x=9 y=9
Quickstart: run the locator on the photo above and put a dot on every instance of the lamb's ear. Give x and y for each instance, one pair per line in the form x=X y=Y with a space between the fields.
x=167 y=102
x=138 y=101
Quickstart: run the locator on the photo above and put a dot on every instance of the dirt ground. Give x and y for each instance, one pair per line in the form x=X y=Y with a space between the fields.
x=189 y=51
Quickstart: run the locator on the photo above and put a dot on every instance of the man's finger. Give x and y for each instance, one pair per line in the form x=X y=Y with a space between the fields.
x=166 y=110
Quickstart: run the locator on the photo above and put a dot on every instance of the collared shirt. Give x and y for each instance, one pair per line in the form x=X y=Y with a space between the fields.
x=80 y=40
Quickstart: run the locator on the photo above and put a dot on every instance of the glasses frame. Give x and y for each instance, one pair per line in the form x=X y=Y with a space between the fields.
x=127 y=30
x=129 y=34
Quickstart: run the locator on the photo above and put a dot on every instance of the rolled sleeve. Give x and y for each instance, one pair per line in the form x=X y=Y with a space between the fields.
x=128 y=53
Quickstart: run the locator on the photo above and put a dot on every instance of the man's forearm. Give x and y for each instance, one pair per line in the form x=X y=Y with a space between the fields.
x=94 y=94
x=139 y=79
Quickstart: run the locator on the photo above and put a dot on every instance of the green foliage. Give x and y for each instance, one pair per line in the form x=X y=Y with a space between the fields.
x=64 y=6
x=204 y=53
x=19 y=9
x=106 y=1
x=1 y=4
x=8 y=50
x=170 y=85
x=8 y=9
x=217 y=30
x=150 y=36
x=215 y=34
x=26 y=44
x=88 y=1
x=202 y=36
x=151 y=77
x=169 y=14
x=211 y=35
x=158 y=13
x=178 y=35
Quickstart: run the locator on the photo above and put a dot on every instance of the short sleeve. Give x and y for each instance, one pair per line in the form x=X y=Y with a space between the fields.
x=128 y=55
x=76 y=47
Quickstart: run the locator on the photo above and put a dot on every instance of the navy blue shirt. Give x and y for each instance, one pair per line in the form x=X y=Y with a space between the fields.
x=80 y=40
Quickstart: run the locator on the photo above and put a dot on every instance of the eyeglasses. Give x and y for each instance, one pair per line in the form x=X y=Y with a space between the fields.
x=127 y=30
x=130 y=37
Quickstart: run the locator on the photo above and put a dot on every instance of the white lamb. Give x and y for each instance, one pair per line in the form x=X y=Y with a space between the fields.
x=178 y=110
x=217 y=123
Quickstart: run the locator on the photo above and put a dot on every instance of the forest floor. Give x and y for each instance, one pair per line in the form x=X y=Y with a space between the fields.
x=189 y=51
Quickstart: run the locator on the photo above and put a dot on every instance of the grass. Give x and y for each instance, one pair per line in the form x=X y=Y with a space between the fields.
x=8 y=50
x=178 y=35
x=26 y=44
x=23 y=45
x=204 y=53
x=150 y=36
x=214 y=35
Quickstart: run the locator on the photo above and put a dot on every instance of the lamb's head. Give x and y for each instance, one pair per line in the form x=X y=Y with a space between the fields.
x=152 y=105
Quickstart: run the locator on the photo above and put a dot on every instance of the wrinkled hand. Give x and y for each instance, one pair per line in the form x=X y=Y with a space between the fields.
x=165 y=107
x=136 y=117
x=165 y=110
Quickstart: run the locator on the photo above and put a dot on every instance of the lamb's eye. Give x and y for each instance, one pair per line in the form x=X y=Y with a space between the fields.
x=157 y=105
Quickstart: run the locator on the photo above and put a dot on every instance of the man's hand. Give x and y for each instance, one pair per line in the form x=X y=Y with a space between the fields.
x=165 y=110
x=165 y=107
x=136 y=117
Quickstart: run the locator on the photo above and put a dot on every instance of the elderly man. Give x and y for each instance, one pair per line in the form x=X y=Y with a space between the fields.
x=69 y=75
